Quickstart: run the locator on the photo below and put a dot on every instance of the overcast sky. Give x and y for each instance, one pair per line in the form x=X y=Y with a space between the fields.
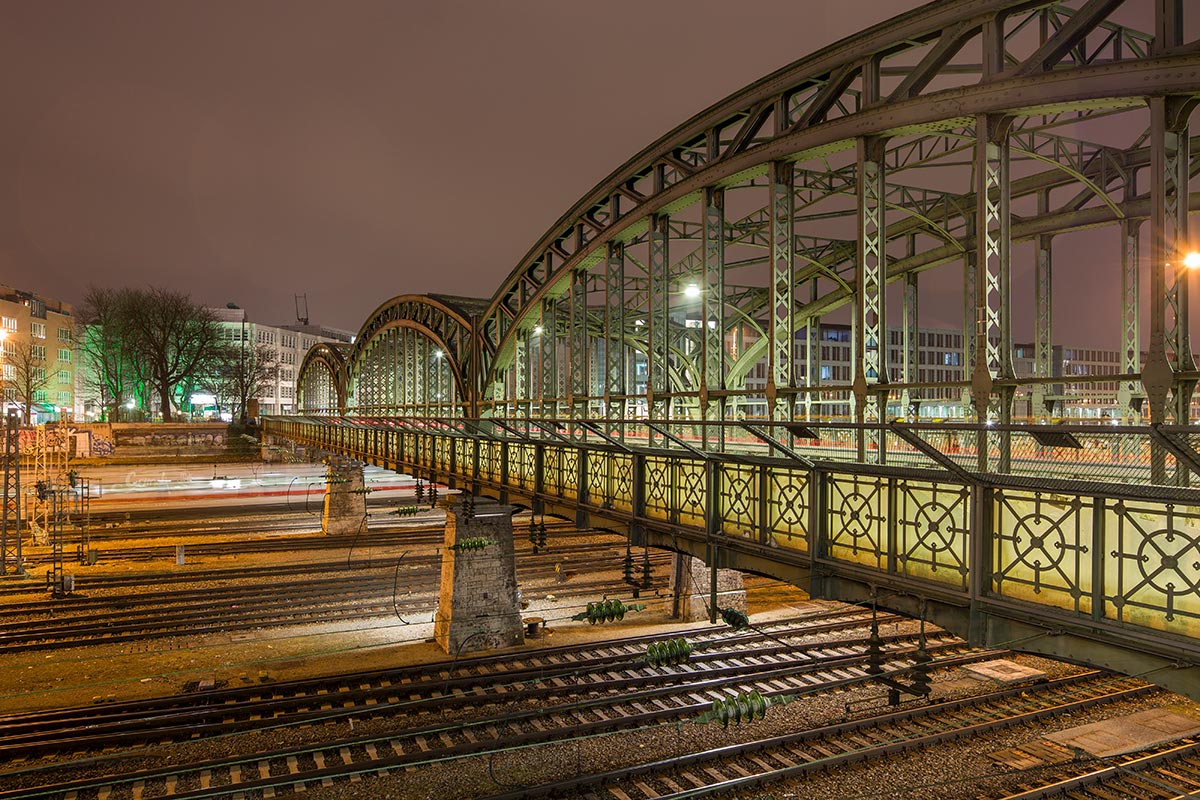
x=350 y=151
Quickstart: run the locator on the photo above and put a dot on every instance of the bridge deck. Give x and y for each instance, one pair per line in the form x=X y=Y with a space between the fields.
x=1100 y=567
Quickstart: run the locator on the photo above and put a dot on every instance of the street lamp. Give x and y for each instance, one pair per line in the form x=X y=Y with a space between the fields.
x=1192 y=260
x=691 y=290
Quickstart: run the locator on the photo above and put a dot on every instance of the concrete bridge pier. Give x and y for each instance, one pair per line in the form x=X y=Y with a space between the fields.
x=478 y=607
x=345 y=499
x=693 y=581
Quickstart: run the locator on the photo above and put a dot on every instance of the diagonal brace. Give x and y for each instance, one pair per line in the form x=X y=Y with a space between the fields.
x=1184 y=454
x=937 y=455
x=768 y=439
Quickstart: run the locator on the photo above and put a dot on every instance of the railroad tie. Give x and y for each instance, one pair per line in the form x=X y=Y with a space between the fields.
x=138 y=788
x=824 y=751
x=421 y=743
x=235 y=774
x=616 y=792
x=104 y=793
x=171 y=782
x=446 y=740
x=670 y=784
x=344 y=752
x=646 y=790
x=761 y=764
x=738 y=768
x=205 y=778
x=716 y=776
x=319 y=759
x=692 y=779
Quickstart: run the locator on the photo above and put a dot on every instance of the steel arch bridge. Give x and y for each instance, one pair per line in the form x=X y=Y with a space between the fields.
x=720 y=346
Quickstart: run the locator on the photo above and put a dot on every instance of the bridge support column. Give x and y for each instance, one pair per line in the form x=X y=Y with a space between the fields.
x=477 y=606
x=345 y=498
x=693 y=582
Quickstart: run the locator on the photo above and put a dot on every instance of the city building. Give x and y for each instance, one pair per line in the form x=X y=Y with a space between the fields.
x=941 y=357
x=38 y=363
x=289 y=344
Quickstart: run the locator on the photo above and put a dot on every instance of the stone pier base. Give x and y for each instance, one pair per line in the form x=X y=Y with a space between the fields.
x=478 y=607
x=692 y=580
x=345 y=501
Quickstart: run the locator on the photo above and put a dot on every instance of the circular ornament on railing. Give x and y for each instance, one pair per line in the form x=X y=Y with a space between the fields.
x=1170 y=562
x=1039 y=546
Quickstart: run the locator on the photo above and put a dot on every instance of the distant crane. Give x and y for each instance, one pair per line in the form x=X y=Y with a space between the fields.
x=302 y=317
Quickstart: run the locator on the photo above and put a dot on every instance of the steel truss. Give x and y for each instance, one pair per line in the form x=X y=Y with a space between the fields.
x=693 y=283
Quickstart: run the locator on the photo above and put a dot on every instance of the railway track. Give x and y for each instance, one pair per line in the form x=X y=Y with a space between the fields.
x=574 y=696
x=753 y=765
x=554 y=672
x=359 y=594
x=1165 y=772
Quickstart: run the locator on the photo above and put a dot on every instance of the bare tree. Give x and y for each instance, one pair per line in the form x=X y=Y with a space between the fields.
x=26 y=373
x=147 y=341
x=175 y=340
x=243 y=373
x=105 y=341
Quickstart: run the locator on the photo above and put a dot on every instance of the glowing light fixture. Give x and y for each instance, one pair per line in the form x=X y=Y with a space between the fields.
x=537 y=329
x=691 y=290
x=1192 y=260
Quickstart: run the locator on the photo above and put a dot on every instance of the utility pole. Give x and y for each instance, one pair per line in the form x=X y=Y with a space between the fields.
x=10 y=525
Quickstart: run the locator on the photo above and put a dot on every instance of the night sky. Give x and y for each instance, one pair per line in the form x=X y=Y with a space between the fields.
x=350 y=151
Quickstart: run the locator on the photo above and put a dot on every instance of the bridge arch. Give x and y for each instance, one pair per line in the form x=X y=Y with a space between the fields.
x=806 y=194
x=321 y=380
x=414 y=356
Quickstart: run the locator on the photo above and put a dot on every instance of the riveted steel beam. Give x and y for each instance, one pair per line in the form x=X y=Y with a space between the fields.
x=615 y=355
x=783 y=280
x=578 y=343
x=1131 y=349
x=870 y=321
x=547 y=371
x=1043 y=346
